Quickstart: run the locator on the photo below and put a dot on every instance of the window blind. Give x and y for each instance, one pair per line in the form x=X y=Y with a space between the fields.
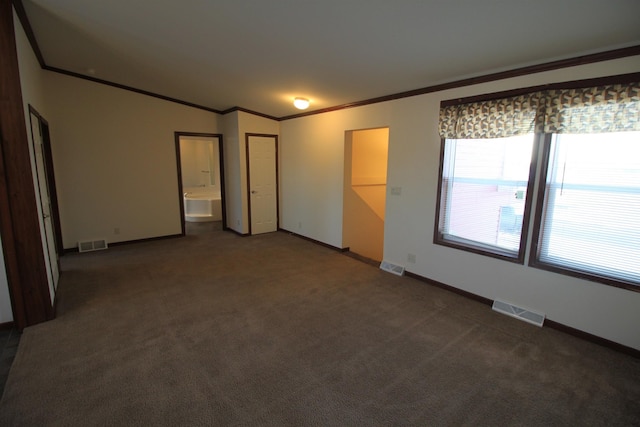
x=592 y=205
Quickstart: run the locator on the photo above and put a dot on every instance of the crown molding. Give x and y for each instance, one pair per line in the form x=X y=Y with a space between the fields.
x=516 y=72
x=245 y=110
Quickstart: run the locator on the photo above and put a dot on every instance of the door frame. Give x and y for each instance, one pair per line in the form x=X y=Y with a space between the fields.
x=43 y=200
x=51 y=179
x=177 y=136
x=247 y=137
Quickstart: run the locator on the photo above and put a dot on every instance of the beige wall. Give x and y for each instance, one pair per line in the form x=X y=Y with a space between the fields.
x=115 y=161
x=312 y=152
x=232 y=171
x=369 y=157
x=366 y=153
x=199 y=154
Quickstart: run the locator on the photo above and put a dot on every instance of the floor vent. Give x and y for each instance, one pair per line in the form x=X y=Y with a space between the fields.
x=518 y=312
x=392 y=268
x=92 y=245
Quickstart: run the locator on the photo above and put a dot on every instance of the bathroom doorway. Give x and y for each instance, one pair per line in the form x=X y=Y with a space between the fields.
x=200 y=162
x=365 y=189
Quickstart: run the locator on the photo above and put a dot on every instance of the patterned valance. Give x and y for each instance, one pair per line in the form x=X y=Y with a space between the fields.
x=609 y=108
x=612 y=108
x=492 y=119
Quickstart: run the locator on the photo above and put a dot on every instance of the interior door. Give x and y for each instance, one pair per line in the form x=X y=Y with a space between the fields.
x=262 y=183
x=48 y=242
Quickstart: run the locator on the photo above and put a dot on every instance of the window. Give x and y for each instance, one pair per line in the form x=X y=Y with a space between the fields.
x=487 y=174
x=587 y=208
x=484 y=186
x=590 y=219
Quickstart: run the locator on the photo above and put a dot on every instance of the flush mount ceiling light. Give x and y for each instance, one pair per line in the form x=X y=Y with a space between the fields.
x=301 y=103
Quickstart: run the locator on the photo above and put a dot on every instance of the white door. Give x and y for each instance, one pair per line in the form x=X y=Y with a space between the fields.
x=263 y=188
x=46 y=226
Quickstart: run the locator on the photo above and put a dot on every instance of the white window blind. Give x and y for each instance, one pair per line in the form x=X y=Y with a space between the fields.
x=592 y=205
x=483 y=192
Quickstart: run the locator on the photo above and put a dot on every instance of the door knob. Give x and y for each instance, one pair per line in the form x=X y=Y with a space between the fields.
x=253 y=191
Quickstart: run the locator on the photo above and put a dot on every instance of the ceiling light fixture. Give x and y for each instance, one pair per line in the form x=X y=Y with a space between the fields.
x=301 y=103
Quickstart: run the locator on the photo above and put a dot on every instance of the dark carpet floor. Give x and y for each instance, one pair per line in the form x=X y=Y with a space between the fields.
x=216 y=329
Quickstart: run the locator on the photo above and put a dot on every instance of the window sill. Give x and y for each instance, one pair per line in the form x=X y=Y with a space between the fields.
x=554 y=268
x=474 y=247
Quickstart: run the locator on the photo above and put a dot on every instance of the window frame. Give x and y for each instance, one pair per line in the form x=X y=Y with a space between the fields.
x=536 y=237
x=476 y=247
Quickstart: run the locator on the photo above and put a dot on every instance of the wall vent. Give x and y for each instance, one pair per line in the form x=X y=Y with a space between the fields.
x=92 y=245
x=398 y=270
x=518 y=312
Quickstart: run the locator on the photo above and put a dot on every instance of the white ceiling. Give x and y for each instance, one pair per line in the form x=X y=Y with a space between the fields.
x=259 y=54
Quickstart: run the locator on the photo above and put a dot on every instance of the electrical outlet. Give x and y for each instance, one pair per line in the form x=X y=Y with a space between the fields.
x=396 y=191
x=299 y=225
x=116 y=230
x=411 y=258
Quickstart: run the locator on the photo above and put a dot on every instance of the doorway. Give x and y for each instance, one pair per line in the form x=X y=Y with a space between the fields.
x=46 y=198
x=262 y=182
x=365 y=189
x=200 y=162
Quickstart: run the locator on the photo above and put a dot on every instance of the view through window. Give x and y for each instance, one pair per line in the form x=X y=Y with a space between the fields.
x=485 y=185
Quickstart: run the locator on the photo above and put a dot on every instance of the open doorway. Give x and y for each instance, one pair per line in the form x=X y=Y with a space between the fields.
x=365 y=187
x=201 y=182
